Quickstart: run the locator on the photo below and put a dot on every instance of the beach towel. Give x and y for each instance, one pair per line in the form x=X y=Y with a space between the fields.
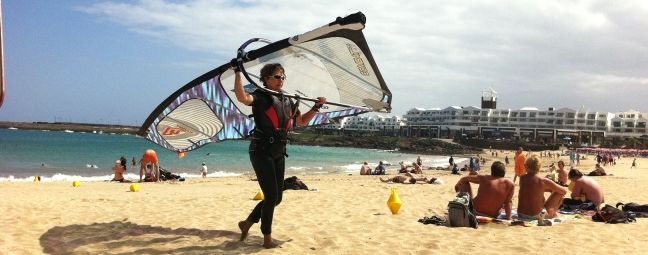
x=461 y=212
x=612 y=215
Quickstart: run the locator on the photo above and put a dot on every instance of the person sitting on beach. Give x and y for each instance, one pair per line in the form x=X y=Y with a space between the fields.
x=455 y=169
x=531 y=199
x=419 y=162
x=365 y=169
x=403 y=168
x=150 y=173
x=380 y=169
x=465 y=168
x=119 y=172
x=598 y=171
x=584 y=190
x=409 y=178
x=416 y=168
x=495 y=191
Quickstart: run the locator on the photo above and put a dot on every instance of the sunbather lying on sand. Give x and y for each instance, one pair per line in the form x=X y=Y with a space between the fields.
x=409 y=178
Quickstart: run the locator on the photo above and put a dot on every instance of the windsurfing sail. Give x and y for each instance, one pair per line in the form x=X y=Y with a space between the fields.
x=2 y=74
x=332 y=61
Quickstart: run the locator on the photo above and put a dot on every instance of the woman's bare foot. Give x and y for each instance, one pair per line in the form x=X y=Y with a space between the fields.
x=245 y=227
x=268 y=243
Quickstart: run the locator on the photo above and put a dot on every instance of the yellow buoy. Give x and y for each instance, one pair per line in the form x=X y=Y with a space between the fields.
x=134 y=187
x=394 y=203
x=259 y=196
x=76 y=184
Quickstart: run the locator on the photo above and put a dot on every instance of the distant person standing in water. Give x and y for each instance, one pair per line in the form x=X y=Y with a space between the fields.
x=203 y=170
x=274 y=115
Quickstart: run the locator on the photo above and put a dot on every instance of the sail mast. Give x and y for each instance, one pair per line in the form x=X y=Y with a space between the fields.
x=2 y=74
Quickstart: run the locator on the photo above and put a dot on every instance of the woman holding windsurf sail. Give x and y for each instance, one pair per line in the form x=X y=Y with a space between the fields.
x=274 y=115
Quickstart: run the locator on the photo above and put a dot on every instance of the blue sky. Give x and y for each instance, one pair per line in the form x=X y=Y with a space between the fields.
x=115 y=61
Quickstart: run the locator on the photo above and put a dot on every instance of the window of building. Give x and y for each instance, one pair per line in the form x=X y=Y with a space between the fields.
x=616 y=124
x=560 y=114
x=570 y=115
x=629 y=124
x=591 y=116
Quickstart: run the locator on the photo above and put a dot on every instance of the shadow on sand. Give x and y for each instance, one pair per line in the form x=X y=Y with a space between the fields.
x=123 y=237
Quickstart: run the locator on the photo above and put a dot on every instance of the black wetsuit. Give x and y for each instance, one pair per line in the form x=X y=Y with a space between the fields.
x=273 y=117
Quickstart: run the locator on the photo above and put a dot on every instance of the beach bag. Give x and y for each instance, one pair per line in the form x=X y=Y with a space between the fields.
x=640 y=211
x=612 y=215
x=461 y=212
x=294 y=183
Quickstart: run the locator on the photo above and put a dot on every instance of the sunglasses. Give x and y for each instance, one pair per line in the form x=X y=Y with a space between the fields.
x=278 y=77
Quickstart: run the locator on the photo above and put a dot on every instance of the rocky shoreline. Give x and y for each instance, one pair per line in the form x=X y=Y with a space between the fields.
x=76 y=127
x=418 y=145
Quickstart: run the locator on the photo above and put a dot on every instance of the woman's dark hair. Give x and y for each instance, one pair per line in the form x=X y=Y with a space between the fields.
x=498 y=169
x=574 y=173
x=268 y=69
x=123 y=161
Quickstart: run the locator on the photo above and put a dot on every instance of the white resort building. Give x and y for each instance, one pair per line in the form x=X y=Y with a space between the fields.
x=581 y=126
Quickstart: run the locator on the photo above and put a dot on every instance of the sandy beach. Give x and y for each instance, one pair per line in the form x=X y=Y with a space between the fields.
x=347 y=214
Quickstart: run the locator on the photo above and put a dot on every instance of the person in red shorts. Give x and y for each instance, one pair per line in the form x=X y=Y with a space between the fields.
x=150 y=167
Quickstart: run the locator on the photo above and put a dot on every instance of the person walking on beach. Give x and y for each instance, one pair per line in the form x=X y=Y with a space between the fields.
x=634 y=163
x=274 y=115
x=520 y=169
x=451 y=161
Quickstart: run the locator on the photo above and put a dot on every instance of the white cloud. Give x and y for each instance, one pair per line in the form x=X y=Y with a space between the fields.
x=439 y=53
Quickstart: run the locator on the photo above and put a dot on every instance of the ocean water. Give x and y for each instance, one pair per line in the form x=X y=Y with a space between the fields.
x=61 y=156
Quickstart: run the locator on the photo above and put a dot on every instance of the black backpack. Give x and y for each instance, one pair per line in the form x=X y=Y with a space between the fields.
x=640 y=211
x=461 y=212
x=612 y=215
